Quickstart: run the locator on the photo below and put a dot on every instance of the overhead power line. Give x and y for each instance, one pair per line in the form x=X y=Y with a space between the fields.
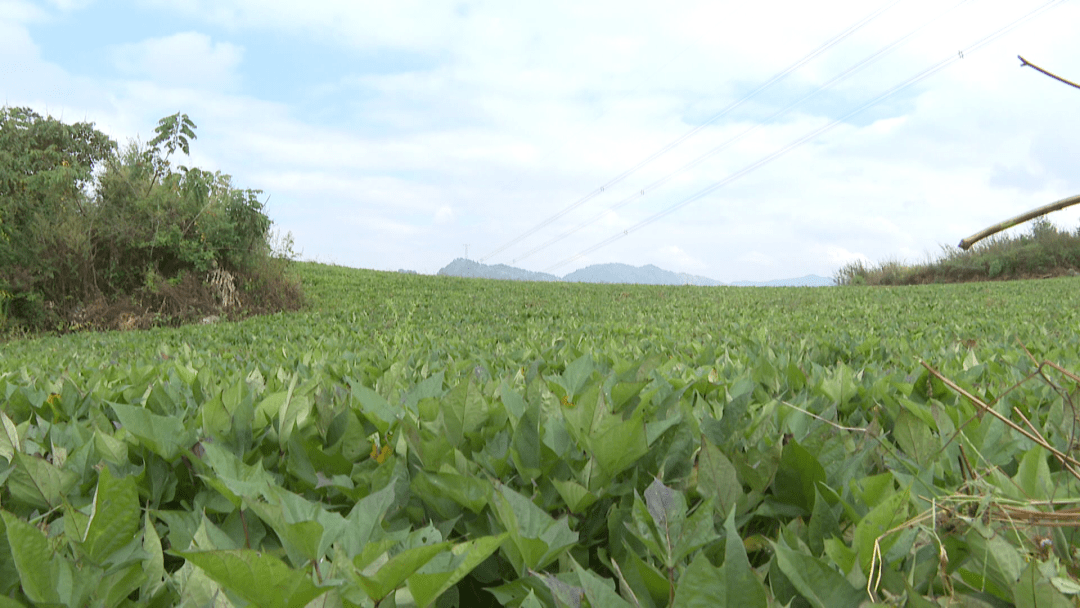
x=676 y=142
x=728 y=143
x=809 y=136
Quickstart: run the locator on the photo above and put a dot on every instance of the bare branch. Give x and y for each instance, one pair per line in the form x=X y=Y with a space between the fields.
x=1025 y=62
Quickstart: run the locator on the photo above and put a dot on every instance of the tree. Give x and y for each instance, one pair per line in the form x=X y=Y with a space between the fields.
x=46 y=171
x=82 y=221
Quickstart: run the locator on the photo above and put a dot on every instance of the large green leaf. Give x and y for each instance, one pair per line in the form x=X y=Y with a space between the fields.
x=877 y=528
x=166 y=436
x=114 y=520
x=717 y=477
x=1033 y=475
x=259 y=578
x=1035 y=590
x=438 y=575
x=619 y=446
x=537 y=538
x=305 y=528
x=742 y=587
x=9 y=437
x=815 y=581
x=38 y=570
x=469 y=492
x=398 y=569
x=914 y=437
x=701 y=586
x=797 y=477
x=38 y=483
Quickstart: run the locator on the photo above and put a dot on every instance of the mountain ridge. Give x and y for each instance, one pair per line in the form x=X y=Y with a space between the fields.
x=615 y=273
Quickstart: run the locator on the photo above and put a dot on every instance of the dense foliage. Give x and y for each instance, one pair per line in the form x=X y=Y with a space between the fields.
x=435 y=441
x=85 y=228
x=1043 y=250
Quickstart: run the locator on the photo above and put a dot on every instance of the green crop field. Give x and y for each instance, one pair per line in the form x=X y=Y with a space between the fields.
x=413 y=440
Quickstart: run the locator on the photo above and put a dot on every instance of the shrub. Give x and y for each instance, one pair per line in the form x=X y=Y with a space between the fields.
x=82 y=221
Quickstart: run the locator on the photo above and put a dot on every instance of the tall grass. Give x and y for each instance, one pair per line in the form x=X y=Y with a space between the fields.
x=1045 y=250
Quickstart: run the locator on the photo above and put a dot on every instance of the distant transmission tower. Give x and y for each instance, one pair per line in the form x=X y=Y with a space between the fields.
x=466 y=251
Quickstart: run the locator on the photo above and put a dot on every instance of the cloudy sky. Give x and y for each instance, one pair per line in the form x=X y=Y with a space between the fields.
x=403 y=134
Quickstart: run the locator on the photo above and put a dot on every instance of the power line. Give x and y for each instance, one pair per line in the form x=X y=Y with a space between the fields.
x=726 y=144
x=809 y=136
x=676 y=142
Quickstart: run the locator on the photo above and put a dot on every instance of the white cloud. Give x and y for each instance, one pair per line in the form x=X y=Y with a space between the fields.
x=444 y=215
x=20 y=11
x=70 y=5
x=500 y=115
x=187 y=59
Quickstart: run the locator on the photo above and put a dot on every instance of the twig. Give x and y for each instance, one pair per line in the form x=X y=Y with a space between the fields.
x=825 y=420
x=1064 y=458
x=1025 y=62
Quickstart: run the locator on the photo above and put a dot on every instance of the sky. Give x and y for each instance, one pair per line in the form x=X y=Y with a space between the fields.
x=405 y=134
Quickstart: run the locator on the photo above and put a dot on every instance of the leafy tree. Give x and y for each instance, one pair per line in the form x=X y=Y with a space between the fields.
x=82 y=220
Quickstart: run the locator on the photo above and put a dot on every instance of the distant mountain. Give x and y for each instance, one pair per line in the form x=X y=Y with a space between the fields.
x=468 y=268
x=641 y=275
x=614 y=273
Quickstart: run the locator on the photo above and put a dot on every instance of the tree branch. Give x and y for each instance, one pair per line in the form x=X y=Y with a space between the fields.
x=1025 y=62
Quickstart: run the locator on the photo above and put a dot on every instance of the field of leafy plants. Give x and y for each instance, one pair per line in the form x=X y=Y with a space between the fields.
x=431 y=441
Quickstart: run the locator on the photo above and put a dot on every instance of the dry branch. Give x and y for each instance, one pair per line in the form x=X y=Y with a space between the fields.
x=1025 y=62
x=1068 y=463
x=966 y=244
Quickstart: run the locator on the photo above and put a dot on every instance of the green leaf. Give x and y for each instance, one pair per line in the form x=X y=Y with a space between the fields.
x=38 y=570
x=797 y=477
x=259 y=578
x=114 y=587
x=819 y=584
x=576 y=496
x=154 y=564
x=165 y=436
x=398 y=569
x=701 y=586
x=743 y=589
x=717 y=477
x=9 y=438
x=577 y=374
x=537 y=537
x=365 y=519
x=232 y=478
x=114 y=520
x=618 y=447
x=1036 y=591
x=877 y=527
x=38 y=483
x=438 y=575
x=1033 y=475
x=914 y=437
x=823 y=525
x=597 y=590
x=469 y=492
x=305 y=528
x=840 y=385
x=660 y=525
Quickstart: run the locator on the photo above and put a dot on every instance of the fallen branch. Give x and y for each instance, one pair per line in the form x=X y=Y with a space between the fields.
x=966 y=244
x=1025 y=62
x=1067 y=462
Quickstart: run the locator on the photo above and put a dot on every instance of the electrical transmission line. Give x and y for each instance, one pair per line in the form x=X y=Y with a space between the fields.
x=809 y=136
x=726 y=144
x=676 y=142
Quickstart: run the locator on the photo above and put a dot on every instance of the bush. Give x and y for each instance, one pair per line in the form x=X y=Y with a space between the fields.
x=1043 y=251
x=84 y=223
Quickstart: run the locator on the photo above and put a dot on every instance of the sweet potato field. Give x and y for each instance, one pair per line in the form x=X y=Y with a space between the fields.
x=429 y=441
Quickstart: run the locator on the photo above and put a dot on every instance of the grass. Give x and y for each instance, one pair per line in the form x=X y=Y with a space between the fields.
x=1044 y=251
